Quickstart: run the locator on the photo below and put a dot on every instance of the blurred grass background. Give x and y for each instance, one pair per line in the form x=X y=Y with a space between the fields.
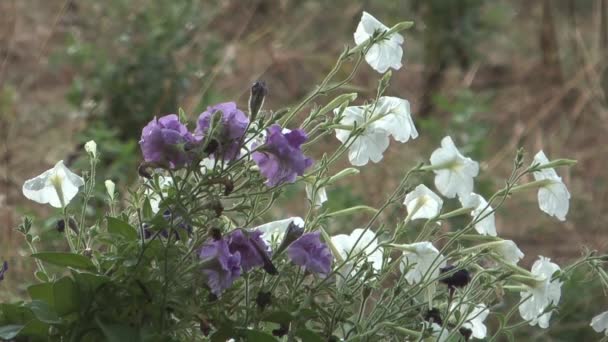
x=495 y=75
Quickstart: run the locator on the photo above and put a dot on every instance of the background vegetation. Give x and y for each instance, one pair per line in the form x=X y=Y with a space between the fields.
x=494 y=74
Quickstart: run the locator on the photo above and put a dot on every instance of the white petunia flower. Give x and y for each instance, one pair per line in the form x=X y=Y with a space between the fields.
x=56 y=186
x=91 y=147
x=553 y=198
x=397 y=118
x=388 y=116
x=439 y=334
x=487 y=225
x=454 y=172
x=545 y=293
x=509 y=251
x=320 y=198
x=599 y=323
x=110 y=188
x=422 y=203
x=154 y=198
x=474 y=319
x=383 y=54
x=422 y=262
x=273 y=232
x=359 y=241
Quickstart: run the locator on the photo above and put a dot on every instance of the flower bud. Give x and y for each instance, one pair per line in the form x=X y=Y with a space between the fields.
x=110 y=188
x=292 y=233
x=91 y=148
x=256 y=98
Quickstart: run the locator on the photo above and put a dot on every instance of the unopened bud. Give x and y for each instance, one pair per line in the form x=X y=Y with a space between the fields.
x=256 y=98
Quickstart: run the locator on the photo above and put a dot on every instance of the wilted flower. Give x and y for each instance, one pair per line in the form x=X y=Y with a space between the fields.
x=110 y=188
x=273 y=232
x=384 y=54
x=422 y=203
x=421 y=260
x=553 y=197
x=280 y=158
x=220 y=267
x=454 y=172
x=253 y=250
x=91 y=147
x=544 y=293
x=359 y=241
x=389 y=116
x=599 y=323
x=320 y=195
x=230 y=131
x=56 y=186
x=487 y=225
x=457 y=279
x=474 y=319
x=163 y=141
x=3 y=270
x=309 y=252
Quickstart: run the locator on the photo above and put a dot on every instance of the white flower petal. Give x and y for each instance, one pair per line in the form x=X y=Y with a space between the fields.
x=509 y=252
x=165 y=183
x=91 y=147
x=486 y=226
x=455 y=172
x=544 y=294
x=423 y=203
x=42 y=190
x=371 y=144
x=359 y=241
x=320 y=198
x=422 y=262
x=599 y=323
x=273 y=232
x=554 y=198
x=384 y=54
x=110 y=188
x=397 y=118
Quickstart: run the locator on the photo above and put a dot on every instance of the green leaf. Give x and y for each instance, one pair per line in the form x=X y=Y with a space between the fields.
x=66 y=260
x=66 y=296
x=8 y=332
x=118 y=332
x=121 y=228
x=257 y=336
x=42 y=292
x=35 y=328
x=43 y=312
x=308 y=335
x=16 y=314
x=279 y=317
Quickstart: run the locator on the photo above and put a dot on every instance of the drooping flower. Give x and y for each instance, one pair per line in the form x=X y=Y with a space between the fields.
x=389 y=116
x=360 y=241
x=3 y=270
x=163 y=141
x=91 y=147
x=474 y=319
x=553 y=197
x=320 y=195
x=384 y=54
x=253 y=250
x=230 y=131
x=422 y=261
x=422 y=203
x=309 y=252
x=273 y=232
x=56 y=186
x=487 y=225
x=280 y=158
x=454 y=172
x=457 y=279
x=509 y=251
x=110 y=188
x=220 y=267
x=544 y=293
x=599 y=323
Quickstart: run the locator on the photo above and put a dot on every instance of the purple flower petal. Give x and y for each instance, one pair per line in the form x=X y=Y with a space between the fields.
x=162 y=141
x=232 y=128
x=309 y=252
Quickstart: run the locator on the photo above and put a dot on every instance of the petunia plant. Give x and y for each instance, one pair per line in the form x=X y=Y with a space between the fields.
x=198 y=250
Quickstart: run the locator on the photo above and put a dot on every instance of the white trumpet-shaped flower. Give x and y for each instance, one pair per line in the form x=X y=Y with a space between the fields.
x=454 y=172
x=273 y=232
x=56 y=186
x=508 y=251
x=389 y=116
x=475 y=318
x=422 y=203
x=320 y=195
x=384 y=54
x=487 y=225
x=599 y=323
x=359 y=243
x=553 y=197
x=421 y=261
x=544 y=293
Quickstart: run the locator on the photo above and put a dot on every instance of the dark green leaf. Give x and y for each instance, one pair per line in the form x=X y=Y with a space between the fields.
x=308 y=335
x=257 y=336
x=121 y=228
x=118 y=332
x=65 y=293
x=16 y=314
x=279 y=317
x=10 y=331
x=35 y=328
x=42 y=292
x=66 y=259
x=43 y=312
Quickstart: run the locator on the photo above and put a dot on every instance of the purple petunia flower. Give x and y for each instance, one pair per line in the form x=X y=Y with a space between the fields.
x=231 y=129
x=280 y=158
x=309 y=252
x=162 y=141
x=220 y=267
x=253 y=250
x=3 y=270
